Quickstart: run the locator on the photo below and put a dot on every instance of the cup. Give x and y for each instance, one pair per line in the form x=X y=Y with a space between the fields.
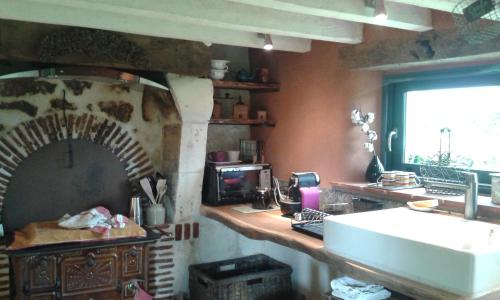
x=155 y=214
x=219 y=64
x=217 y=74
x=233 y=155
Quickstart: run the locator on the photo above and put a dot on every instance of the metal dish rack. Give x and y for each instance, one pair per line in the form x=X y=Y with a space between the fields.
x=441 y=179
x=309 y=222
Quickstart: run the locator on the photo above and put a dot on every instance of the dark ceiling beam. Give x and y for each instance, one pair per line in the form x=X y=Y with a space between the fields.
x=431 y=47
x=42 y=43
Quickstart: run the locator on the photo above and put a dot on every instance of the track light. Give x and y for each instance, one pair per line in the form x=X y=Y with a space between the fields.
x=268 y=42
x=380 y=12
x=376 y=8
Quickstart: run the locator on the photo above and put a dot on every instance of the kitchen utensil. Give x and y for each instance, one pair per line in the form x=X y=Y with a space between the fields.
x=152 y=184
x=262 y=199
x=309 y=222
x=240 y=110
x=146 y=187
x=233 y=155
x=161 y=187
x=135 y=213
x=155 y=214
x=219 y=64
x=217 y=74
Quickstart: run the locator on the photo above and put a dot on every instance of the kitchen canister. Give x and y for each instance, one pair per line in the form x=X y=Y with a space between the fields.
x=495 y=188
x=135 y=212
x=155 y=214
x=240 y=110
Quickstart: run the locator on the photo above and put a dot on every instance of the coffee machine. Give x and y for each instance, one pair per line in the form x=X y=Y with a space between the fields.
x=303 y=192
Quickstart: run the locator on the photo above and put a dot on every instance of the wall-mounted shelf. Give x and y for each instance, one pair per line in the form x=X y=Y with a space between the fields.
x=267 y=123
x=250 y=86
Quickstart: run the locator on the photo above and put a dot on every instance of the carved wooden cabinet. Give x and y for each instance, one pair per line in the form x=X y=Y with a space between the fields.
x=104 y=272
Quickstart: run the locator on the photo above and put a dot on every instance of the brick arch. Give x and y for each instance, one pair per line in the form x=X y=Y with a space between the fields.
x=27 y=137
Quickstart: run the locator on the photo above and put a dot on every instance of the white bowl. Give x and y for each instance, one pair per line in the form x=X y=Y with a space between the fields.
x=217 y=74
x=219 y=64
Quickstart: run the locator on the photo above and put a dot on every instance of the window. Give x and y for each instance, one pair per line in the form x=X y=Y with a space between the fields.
x=447 y=118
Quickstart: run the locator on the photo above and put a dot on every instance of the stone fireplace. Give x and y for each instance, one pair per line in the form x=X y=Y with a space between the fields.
x=121 y=127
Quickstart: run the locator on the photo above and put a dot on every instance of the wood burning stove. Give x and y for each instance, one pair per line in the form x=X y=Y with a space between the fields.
x=101 y=120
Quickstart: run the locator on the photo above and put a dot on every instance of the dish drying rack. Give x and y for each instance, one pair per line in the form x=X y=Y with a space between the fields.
x=309 y=222
x=440 y=179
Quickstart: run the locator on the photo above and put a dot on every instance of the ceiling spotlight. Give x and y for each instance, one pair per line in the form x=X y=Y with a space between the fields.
x=268 y=42
x=380 y=12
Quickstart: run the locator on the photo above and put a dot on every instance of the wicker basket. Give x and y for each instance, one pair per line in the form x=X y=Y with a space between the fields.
x=251 y=277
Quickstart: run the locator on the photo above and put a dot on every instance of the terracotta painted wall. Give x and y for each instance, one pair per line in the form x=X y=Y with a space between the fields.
x=312 y=110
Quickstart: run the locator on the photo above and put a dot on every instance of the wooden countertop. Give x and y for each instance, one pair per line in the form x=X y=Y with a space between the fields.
x=271 y=226
x=485 y=209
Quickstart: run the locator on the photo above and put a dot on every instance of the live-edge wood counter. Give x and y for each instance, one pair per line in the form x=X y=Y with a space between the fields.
x=271 y=226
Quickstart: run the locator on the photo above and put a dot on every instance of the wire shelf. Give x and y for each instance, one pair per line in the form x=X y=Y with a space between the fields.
x=481 y=26
x=433 y=174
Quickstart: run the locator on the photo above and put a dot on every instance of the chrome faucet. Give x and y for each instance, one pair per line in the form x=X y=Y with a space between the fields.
x=470 y=188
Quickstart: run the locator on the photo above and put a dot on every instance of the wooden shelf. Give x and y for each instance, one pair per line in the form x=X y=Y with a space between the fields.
x=251 y=86
x=267 y=123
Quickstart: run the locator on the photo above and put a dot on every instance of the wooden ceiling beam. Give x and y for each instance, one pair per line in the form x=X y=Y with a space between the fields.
x=54 y=44
x=400 y=16
x=431 y=47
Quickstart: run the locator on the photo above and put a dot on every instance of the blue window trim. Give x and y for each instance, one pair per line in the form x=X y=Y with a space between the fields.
x=394 y=89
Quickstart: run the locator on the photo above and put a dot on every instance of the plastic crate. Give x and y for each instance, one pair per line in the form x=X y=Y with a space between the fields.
x=251 y=277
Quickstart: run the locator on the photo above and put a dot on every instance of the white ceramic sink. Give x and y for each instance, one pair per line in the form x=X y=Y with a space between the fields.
x=446 y=252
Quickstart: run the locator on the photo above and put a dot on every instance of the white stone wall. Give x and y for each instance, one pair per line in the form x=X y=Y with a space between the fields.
x=193 y=97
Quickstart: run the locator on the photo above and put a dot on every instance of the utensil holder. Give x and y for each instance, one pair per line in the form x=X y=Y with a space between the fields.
x=155 y=214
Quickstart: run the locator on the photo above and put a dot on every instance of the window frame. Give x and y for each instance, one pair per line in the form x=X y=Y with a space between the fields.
x=393 y=110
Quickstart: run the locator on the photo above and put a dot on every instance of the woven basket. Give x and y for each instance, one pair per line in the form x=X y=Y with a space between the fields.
x=251 y=277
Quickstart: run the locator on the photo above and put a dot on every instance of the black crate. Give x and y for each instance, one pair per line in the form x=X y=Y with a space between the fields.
x=251 y=277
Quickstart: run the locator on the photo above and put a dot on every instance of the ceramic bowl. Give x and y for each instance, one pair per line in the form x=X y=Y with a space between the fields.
x=217 y=74
x=219 y=64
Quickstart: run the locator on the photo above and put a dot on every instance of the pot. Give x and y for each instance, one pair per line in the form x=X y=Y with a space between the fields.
x=217 y=156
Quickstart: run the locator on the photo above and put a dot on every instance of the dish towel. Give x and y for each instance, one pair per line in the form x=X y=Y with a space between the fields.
x=97 y=219
x=351 y=289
